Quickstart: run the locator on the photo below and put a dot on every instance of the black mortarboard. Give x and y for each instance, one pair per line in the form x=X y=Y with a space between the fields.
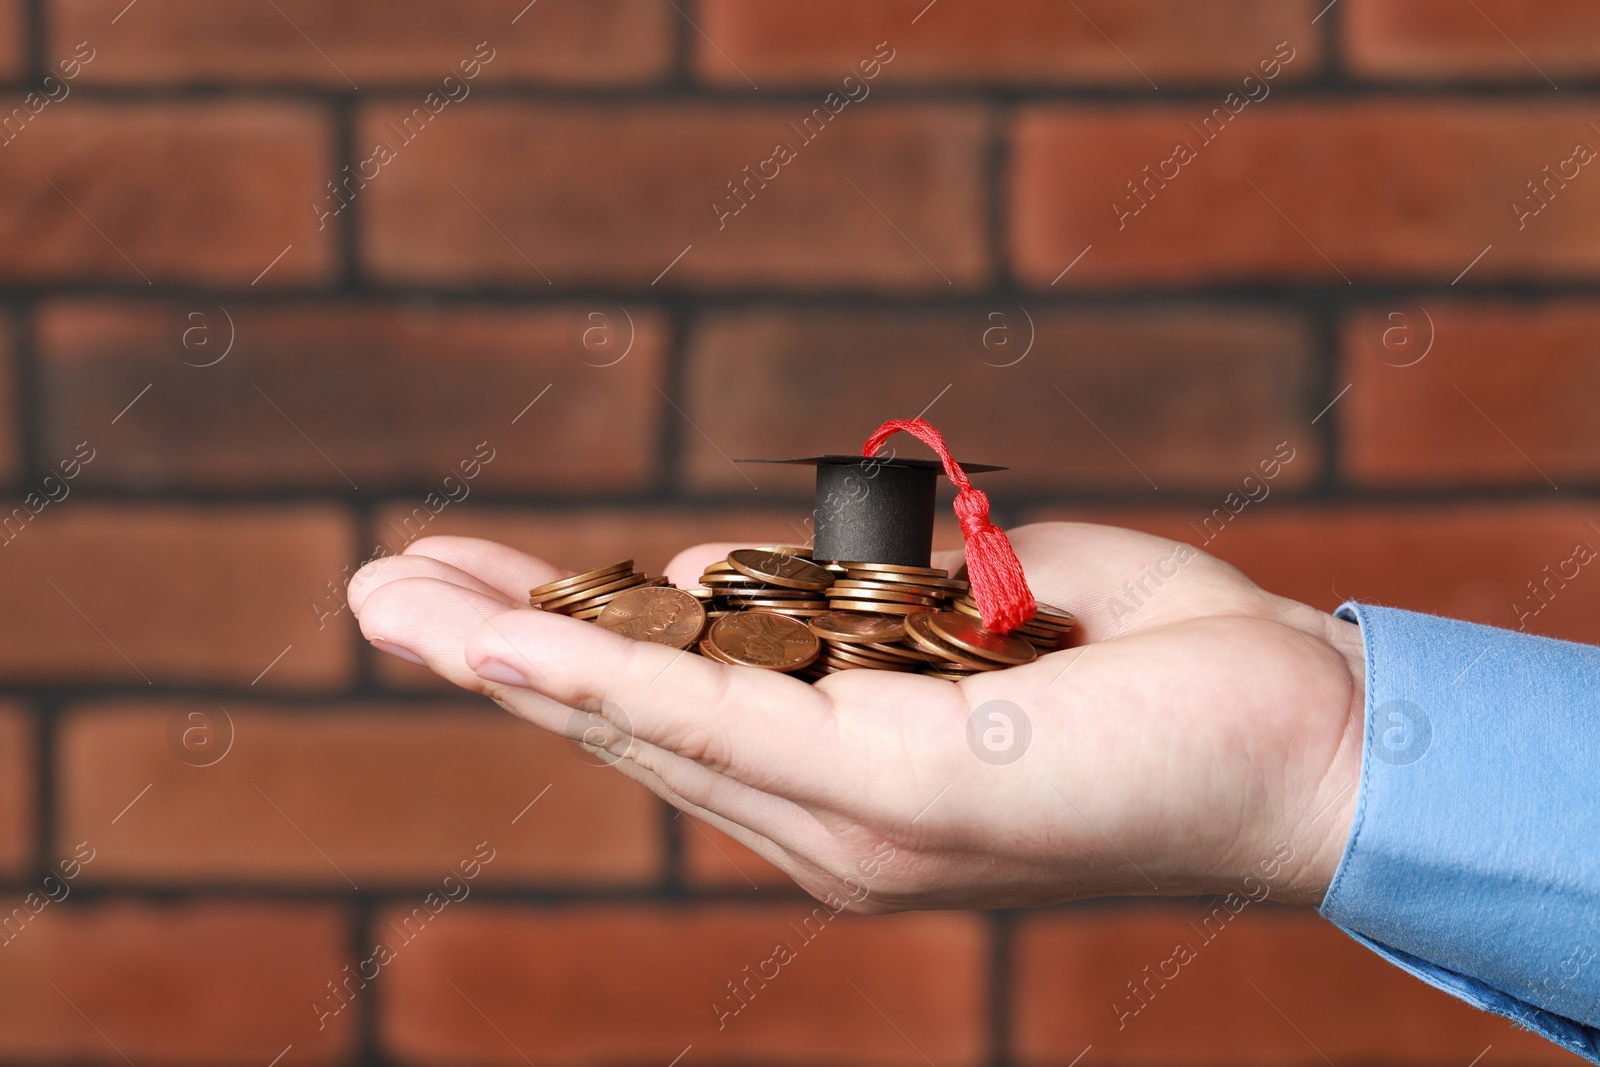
x=874 y=510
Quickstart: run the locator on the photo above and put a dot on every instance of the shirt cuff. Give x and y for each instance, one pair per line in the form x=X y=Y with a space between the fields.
x=1474 y=857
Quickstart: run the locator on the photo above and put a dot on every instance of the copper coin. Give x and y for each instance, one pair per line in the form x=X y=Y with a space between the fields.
x=776 y=568
x=568 y=597
x=659 y=614
x=1045 y=615
x=757 y=639
x=733 y=578
x=710 y=651
x=794 y=613
x=772 y=592
x=897 y=651
x=877 y=607
x=919 y=636
x=843 y=585
x=550 y=590
x=857 y=629
x=863 y=574
x=892 y=568
x=583 y=596
x=764 y=604
x=961 y=631
x=885 y=595
x=842 y=654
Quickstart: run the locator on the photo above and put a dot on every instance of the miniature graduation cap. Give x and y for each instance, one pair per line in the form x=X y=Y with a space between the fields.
x=880 y=510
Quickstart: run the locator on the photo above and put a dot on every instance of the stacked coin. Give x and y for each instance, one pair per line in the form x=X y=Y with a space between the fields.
x=585 y=596
x=1047 y=631
x=779 y=581
x=958 y=646
x=853 y=640
x=886 y=589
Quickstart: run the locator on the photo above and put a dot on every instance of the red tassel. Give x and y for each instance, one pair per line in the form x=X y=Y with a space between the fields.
x=998 y=584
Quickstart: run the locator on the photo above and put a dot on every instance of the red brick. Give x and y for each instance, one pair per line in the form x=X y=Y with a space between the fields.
x=11 y=39
x=1471 y=412
x=1382 y=190
x=10 y=408
x=1073 y=966
x=613 y=196
x=200 y=596
x=712 y=858
x=388 y=795
x=1430 y=40
x=388 y=394
x=1027 y=43
x=192 y=984
x=581 y=42
x=637 y=985
x=1191 y=397
x=187 y=191
x=17 y=788
x=1467 y=561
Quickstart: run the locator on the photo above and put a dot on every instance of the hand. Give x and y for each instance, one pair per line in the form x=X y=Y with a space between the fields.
x=1202 y=733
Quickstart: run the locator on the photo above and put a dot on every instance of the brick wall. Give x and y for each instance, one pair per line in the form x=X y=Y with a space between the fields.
x=262 y=292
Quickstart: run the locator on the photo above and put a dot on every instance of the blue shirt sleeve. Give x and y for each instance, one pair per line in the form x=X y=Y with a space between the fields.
x=1474 y=857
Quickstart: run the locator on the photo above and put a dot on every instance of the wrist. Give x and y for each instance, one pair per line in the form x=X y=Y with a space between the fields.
x=1329 y=812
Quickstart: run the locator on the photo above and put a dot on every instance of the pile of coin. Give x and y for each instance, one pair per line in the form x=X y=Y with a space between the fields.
x=585 y=596
x=782 y=581
x=1047 y=631
x=890 y=590
x=778 y=609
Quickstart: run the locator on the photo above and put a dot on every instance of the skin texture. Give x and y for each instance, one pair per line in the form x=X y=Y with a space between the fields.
x=1201 y=730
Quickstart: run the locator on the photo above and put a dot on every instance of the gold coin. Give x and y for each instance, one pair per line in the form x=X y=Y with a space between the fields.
x=658 y=614
x=961 y=631
x=857 y=629
x=550 y=590
x=759 y=639
x=776 y=568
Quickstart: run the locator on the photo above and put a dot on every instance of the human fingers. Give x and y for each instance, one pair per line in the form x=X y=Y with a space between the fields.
x=509 y=570
x=393 y=568
x=426 y=620
x=767 y=730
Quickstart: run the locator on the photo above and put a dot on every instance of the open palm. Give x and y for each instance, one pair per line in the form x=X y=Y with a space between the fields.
x=1200 y=731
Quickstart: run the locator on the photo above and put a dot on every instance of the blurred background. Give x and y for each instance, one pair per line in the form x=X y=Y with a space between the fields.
x=290 y=284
